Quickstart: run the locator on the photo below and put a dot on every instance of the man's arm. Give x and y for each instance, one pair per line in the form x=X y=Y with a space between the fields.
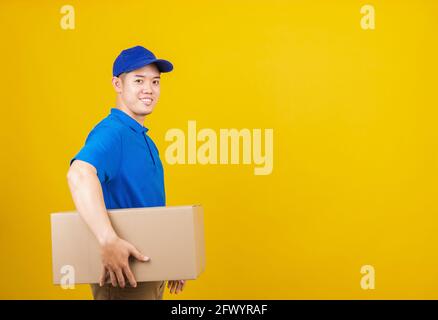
x=88 y=198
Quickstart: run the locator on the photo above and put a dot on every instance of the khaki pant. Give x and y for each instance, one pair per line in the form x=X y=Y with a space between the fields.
x=144 y=291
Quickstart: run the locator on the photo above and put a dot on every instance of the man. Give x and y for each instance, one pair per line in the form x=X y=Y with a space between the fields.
x=119 y=167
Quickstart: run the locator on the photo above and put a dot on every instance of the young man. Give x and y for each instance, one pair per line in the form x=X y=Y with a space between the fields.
x=119 y=167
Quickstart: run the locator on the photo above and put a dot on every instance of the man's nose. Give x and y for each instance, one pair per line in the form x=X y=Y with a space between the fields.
x=147 y=88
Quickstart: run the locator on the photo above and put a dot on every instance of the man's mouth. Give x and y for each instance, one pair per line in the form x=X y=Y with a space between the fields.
x=146 y=101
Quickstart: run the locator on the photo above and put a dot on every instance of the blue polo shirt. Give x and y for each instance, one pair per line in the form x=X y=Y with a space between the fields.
x=127 y=162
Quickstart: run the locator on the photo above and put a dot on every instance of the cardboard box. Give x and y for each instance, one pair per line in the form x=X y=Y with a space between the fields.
x=172 y=237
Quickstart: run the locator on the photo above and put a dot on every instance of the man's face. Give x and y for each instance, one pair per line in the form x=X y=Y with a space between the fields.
x=139 y=90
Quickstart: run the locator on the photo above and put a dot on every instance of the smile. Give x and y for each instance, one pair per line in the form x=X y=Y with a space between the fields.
x=146 y=101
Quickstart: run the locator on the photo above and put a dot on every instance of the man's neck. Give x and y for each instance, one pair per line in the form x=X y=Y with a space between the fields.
x=139 y=119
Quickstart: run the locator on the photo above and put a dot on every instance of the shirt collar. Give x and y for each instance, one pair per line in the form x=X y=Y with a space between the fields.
x=128 y=121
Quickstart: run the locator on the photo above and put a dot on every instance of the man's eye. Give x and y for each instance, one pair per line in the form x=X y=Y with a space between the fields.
x=156 y=82
x=139 y=81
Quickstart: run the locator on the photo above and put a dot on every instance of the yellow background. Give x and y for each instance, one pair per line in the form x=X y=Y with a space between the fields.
x=354 y=115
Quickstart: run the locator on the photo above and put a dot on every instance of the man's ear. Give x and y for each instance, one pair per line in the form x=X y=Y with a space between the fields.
x=117 y=84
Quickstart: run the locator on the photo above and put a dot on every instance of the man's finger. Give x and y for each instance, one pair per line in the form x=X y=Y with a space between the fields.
x=102 y=276
x=130 y=276
x=175 y=283
x=113 y=278
x=181 y=285
x=138 y=255
x=120 y=277
x=177 y=286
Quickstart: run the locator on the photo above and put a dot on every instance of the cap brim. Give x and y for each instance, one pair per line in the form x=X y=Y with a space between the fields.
x=162 y=65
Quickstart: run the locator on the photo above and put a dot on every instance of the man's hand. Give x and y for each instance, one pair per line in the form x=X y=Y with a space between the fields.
x=176 y=286
x=115 y=254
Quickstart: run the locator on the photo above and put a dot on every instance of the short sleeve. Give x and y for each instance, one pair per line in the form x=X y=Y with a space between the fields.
x=102 y=149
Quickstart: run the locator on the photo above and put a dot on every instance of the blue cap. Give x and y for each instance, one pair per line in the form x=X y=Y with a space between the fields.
x=138 y=57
